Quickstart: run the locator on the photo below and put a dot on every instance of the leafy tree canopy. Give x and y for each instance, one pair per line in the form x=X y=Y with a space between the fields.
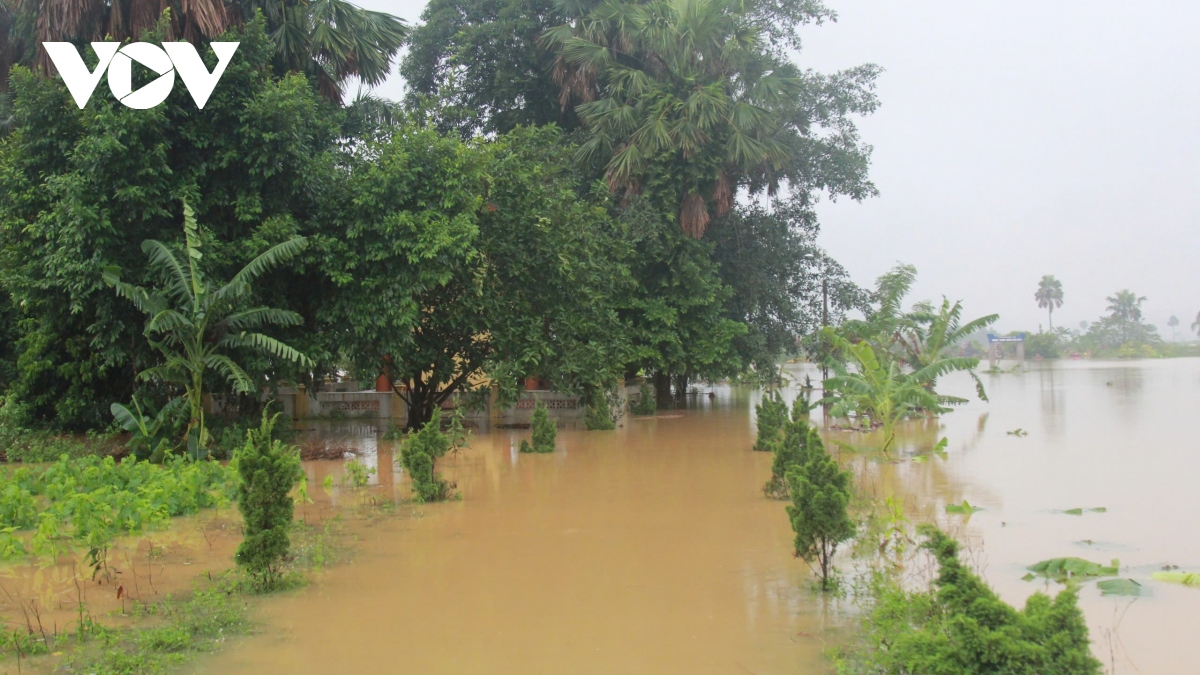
x=84 y=188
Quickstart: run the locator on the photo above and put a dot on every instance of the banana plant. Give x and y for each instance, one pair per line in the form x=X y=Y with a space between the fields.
x=152 y=436
x=198 y=325
x=881 y=392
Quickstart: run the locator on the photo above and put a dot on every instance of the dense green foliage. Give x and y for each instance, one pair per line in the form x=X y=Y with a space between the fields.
x=959 y=625
x=545 y=431
x=269 y=470
x=485 y=59
x=819 y=512
x=84 y=188
x=419 y=452
x=691 y=101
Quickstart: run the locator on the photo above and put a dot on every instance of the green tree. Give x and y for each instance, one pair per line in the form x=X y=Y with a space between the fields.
x=696 y=99
x=545 y=432
x=1173 y=323
x=268 y=470
x=819 y=512
x=770 y=261
x=1049 y=295
x=676 y=308
x=959 y=625
x=770 y=416
x=485 y=57
x=518 y=280
x=197 y=324
x=1125 y=308
x=84 y=188
x=799 y=443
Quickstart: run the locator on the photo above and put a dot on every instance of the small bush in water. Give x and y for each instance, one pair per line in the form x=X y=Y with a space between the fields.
x=269 y=470
x=545 y=433
x=959 y=626
x=819 y=512
x=417 y=456
x=771 y=415
x=799 y=443
x=599 y=414
x=645 y=404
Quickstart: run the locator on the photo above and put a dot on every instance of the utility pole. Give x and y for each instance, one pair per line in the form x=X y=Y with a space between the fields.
x=824 y=323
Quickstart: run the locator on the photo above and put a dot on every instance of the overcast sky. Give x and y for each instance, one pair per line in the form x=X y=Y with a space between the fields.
x=1017 y=139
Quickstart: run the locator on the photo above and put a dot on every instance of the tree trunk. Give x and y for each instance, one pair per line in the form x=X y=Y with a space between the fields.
x=681 y=384
x=662 y=387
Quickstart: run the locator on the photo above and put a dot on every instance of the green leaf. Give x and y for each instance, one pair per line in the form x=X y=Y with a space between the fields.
x=965 y=508
x=1191 y=579
x=1120 y=587
x=1061 y=569
x=1079 y=511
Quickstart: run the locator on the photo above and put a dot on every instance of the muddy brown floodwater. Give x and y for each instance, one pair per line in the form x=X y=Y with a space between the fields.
x=652 y=550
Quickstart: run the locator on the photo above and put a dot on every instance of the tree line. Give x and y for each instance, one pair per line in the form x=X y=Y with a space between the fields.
x=577 y=191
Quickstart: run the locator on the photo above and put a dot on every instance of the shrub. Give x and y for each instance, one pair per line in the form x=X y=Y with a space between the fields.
x=418 y=454
x=820 y=493
x=269 y=470
x=771 y=414
x=599 y=416
x=959 y=625
x=545 y=432
x=799 y=443
x=645 y=404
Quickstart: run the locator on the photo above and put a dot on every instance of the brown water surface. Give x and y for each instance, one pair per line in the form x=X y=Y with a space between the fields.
x=651 y=549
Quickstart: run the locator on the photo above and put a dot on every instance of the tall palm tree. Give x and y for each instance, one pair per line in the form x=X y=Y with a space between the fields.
x=332 y=41
x=197 y=324
x=683 y=94
x=1173 y=323
x=1049 y=295
x=1196 y=324
x=1125 y=308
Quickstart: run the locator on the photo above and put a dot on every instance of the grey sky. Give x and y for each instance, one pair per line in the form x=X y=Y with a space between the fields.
x=1018 y=139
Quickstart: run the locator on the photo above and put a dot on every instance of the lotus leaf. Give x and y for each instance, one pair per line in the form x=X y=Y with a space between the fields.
x=1061 y=569
x=1120 y=587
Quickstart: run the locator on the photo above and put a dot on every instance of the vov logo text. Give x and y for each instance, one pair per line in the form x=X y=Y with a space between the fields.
x=171 y=58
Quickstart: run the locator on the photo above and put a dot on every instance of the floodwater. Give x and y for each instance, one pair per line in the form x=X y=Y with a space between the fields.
x=650 y=549
x=645 y=550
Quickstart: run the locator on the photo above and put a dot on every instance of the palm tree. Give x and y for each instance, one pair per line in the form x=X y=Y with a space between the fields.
x=1173 y=323
x=681 y=93
x=196 y=324
x=1196 y=324
x=1049 y=295
x=1125 y=308
x=332 y=41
